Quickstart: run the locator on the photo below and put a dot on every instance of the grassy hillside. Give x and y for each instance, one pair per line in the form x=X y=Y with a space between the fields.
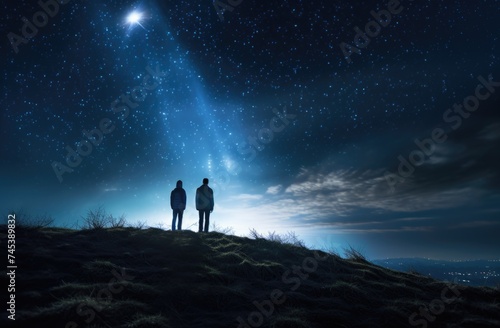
x=128 y=277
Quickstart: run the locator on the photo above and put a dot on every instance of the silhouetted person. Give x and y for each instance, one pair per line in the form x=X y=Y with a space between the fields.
x=204 y=204
x=178 y=204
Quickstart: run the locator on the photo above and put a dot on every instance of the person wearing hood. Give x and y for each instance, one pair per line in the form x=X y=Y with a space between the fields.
x=178 y=204
x=204 y=204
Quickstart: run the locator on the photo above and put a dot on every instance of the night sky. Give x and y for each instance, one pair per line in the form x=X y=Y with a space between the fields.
x=306 y=116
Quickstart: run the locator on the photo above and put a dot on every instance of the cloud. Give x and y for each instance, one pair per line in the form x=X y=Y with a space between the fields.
x=341 y=192
x=333 y=197
x=491 y=132
x=245 y=197
x=111 y=189
x=475 y=224
x=379 y=231
x=348 y=201
x=274 y=190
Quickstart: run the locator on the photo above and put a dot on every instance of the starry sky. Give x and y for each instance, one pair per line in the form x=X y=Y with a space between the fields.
x=373 y=124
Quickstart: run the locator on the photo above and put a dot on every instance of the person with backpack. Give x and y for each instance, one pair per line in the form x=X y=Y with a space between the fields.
x=204 y=204
x=178 y=204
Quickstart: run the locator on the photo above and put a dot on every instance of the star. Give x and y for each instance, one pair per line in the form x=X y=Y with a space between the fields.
x=134 y=18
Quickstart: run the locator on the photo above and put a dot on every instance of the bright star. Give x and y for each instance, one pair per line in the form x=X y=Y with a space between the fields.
x=135 y=18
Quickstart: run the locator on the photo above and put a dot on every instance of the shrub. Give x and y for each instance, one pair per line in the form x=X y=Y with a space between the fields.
x=25 y=220
x=354 y=255
x=98 y=219
x=290 y=238
x=139 y=225
x=226 y=231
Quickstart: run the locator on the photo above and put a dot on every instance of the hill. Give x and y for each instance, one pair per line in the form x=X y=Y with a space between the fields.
x=131 y=278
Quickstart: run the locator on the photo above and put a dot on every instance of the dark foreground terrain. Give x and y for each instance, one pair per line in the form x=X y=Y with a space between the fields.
x=127 y=277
